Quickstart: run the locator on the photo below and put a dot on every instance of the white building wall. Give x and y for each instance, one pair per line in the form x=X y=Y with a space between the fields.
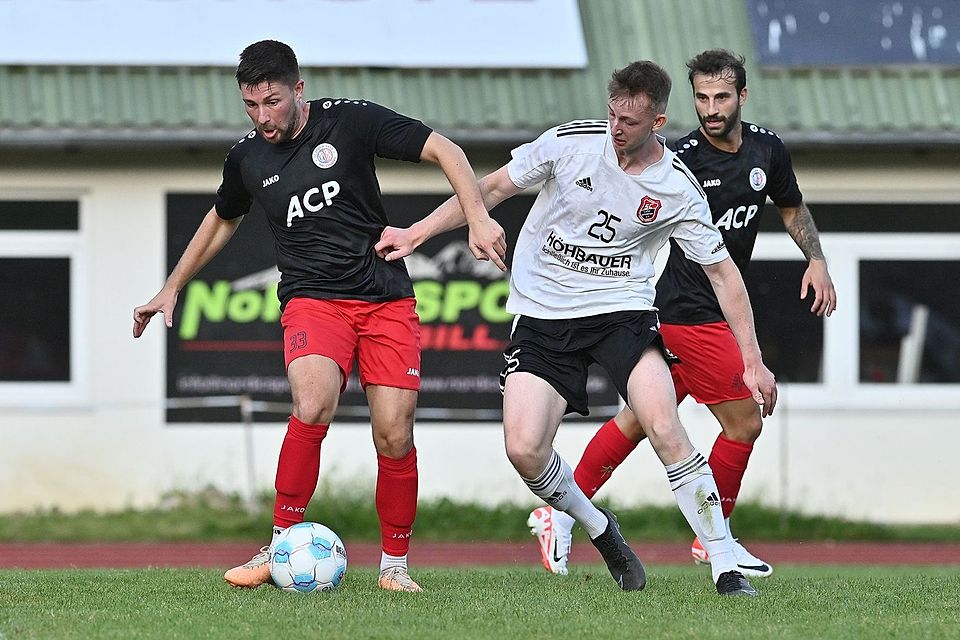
x=101 y=443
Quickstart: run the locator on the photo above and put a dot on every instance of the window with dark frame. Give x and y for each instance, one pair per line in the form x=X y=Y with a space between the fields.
x=790 y=336
x=910 y=321
x=35 y=336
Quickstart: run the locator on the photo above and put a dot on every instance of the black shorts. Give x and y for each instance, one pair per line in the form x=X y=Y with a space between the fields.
x=561 y=351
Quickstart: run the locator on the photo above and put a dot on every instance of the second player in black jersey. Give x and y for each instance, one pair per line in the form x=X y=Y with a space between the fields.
x=737 y=184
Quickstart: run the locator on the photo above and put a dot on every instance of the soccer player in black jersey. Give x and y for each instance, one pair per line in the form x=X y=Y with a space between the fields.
x=308 y=166
x=739 y=165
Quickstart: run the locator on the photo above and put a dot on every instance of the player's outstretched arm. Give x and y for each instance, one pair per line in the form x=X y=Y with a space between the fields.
x=487 y=239
x=800 y=225
x=396 y=243
x=732 y=294
x=214 y=232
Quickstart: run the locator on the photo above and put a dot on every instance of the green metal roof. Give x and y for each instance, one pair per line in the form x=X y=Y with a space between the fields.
x=59 y=106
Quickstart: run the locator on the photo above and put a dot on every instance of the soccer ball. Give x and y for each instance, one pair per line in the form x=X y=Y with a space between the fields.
x=307 y=557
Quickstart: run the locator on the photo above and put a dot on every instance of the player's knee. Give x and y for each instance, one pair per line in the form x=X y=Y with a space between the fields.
x=661 y=430
x=313 y=412
x=629 y=425
x=393 y=447
x=394 y=442
x=525 y=458
x=668 y=438
x=747 y=430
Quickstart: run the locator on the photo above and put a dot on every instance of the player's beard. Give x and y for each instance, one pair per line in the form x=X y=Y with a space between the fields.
x=286 y=132
x=729 y=124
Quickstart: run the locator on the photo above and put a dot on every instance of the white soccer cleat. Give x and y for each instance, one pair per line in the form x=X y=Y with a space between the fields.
x=253 y=573
x=553 y=537
x=747 y=563
x=397 y=579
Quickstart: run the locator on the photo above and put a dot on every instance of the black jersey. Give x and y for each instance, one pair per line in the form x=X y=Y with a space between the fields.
x=321 y=197
x=737 y=186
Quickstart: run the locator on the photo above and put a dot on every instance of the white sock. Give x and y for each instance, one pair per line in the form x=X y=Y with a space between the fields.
x=697 y=496
x=276 y=532
x=389 y=562
x=729 y=532
x=556 y=487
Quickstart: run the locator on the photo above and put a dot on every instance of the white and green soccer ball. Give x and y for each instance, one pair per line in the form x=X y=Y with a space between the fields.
x=307 y=557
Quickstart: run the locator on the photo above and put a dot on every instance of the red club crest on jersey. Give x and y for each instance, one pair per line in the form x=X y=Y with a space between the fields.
x=648 y=210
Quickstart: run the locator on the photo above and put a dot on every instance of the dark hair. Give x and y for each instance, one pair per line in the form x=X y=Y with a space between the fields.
x=719 y=63
x=642 y=78
x=268 y=61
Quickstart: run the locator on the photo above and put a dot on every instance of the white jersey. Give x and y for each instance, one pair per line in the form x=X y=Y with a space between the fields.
x=588 y=244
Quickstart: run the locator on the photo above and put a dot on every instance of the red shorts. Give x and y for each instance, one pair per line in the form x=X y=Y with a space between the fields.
x=384 y=337
x=710 y=368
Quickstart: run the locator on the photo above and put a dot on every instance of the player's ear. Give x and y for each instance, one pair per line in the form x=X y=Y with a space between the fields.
x=743 y=96
x=298 y=89
x=659 y=122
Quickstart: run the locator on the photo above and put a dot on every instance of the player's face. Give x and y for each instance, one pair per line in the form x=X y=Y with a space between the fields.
x=274 y=109
x=632 y=122
x=718 y=103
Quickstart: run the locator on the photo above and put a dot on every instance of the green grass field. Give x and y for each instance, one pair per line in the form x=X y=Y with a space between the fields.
x=501 y=603
x=212 y=517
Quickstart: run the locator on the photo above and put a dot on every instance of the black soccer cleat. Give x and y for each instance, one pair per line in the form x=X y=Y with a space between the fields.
x=623 y=563
x=732 y=583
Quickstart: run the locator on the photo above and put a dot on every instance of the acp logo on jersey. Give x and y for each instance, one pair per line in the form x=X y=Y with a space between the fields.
x=648 y=209
x=325 y=155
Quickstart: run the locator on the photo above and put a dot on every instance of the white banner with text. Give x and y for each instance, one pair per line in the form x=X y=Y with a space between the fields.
x=325 y=33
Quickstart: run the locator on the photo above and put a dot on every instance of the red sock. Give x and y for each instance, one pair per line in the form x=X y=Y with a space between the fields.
x=604 y=453
x=728 y=460
x=297 y=471
x=397 y=501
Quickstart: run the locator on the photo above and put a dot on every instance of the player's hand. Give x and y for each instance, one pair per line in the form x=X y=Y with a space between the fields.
x=763 y=387
x=164 y=302
x=396 y=243
x=824 y=295
x=489 y=242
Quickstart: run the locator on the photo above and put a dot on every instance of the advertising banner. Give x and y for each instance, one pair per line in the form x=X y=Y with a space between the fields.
x=227 y=339
x=819 y=33
x=518 y=34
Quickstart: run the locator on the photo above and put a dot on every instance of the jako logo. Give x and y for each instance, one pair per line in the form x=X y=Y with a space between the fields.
x=711 y=183
x=413 y=372
x=271 y=180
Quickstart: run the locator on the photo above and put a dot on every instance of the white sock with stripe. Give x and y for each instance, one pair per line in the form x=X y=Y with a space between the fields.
x=696 y=493
x=556 y=487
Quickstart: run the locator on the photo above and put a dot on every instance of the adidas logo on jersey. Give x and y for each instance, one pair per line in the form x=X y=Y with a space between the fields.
x=585 y=183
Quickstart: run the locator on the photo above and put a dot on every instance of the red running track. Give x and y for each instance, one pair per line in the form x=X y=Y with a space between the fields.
x=454 y=554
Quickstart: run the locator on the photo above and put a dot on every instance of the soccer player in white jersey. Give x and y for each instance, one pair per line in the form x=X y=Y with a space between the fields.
x=740 y=165
x=611 y=195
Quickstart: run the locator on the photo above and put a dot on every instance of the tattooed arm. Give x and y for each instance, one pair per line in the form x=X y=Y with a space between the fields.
x=799 y=224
